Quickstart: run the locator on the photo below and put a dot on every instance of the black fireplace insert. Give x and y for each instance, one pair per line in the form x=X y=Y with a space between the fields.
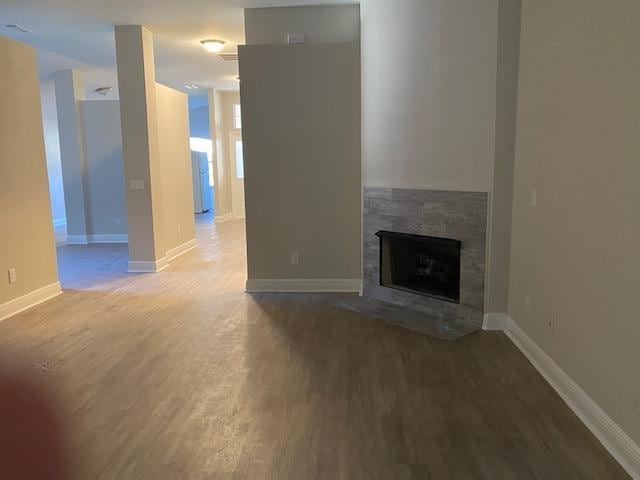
x=419 y=264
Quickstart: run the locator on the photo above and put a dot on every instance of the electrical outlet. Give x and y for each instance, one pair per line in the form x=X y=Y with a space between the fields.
x=12 y=275
x=117 y=222
x=296 y=38
x=534 y=198
x=137 y=184
x=295 y=258
x=179 y=231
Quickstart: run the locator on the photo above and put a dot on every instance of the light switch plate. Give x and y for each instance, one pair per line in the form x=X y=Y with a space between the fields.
x=12 y=275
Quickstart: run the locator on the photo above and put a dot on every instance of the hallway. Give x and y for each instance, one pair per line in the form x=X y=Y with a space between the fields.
x=181 y=375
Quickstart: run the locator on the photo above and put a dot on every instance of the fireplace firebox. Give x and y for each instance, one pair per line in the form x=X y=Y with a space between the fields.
x=419 y=264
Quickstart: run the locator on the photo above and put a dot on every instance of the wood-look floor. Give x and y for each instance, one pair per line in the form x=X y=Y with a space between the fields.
x=181 y=375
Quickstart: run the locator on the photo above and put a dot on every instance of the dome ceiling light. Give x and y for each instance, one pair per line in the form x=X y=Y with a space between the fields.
x=213 y=46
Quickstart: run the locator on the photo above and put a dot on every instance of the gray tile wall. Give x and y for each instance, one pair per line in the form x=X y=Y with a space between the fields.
x=458 y=215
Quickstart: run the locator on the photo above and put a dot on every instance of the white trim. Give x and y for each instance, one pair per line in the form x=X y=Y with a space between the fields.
x=108 y=238
x=97 y=238
x=181 y=249
x=141 y=266
x=425 y=186
x=495 y=321
x=59 y=222
x=302 y=285
x=29 y=300
x=610 y=435
x=77 y=240
x=223 y=218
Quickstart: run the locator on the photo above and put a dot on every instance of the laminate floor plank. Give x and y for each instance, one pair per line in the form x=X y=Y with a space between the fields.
x=182 y=375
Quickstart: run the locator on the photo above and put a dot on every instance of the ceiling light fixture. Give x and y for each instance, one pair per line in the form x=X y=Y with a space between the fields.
x=191 y=87
x=19 y=28
x=104 y=91
x=213 y=46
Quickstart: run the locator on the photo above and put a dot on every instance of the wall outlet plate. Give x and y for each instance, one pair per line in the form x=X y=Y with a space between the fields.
x=296 y=38
x=137 y=184
x=13 y=278
x=295 y=259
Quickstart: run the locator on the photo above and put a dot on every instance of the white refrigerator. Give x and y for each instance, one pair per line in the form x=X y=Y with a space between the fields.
x=202 y=192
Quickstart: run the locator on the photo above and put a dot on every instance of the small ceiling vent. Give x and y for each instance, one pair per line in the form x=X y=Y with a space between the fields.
x=229 y=57
x=18 y=28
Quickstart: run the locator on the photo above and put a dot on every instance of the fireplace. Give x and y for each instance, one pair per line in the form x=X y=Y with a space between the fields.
x=419 y=264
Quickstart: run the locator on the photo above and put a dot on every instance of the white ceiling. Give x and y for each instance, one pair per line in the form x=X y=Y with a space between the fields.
x=82 y=30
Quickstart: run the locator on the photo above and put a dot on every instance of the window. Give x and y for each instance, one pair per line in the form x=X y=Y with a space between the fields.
x=237 y=116
x=239 y=160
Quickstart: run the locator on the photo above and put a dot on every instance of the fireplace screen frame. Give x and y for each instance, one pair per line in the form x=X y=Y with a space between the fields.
x=455 y=246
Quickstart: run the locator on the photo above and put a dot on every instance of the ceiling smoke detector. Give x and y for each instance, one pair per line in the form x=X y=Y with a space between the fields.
x=104 y=91
x=213 y=46
x=18 y=28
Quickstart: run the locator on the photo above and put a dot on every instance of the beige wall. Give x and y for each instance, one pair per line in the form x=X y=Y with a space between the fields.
x=175 y=167
x=429 y=93
x=27 y=242
x=105 y=196
x=301 y=135
x=575 y=255
x=497 y=296
x=320 y=24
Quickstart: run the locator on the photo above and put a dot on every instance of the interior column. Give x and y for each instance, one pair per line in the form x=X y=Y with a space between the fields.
x=138 y=113
x=69 y=87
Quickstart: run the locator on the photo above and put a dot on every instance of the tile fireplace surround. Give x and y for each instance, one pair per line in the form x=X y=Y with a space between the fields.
x=448 y=214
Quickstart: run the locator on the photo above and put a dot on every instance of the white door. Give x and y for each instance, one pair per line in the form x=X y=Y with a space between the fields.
x=237 y=174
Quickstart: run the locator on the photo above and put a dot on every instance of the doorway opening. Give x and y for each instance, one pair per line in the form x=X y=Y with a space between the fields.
x=217 y=154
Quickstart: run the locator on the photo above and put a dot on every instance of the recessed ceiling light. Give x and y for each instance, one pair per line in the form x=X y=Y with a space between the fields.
x=213 y=46
x=191 y=87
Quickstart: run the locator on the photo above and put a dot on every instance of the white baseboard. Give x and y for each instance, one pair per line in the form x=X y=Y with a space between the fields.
x=137 y=266
x=77 y=240
x=97 y=238
x=59 y=222
x=181 y=249
x=29 y=300
x=610 y=435
x=495 y=321
x=223 y=218
x=305 y=285
x=108 y=238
